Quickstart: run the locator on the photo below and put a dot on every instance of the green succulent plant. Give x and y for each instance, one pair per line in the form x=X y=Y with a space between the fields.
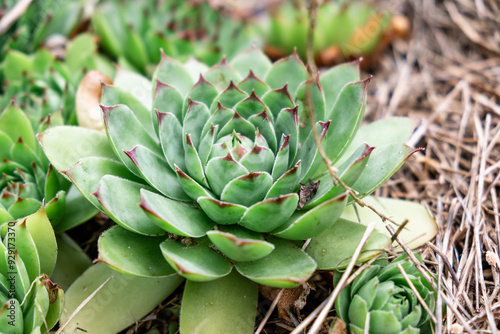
x=31 y=302
x=211 y=179
x=41 y=20
x=38 y=93
x=344 y=29
x=180 y=28
x=380 y=300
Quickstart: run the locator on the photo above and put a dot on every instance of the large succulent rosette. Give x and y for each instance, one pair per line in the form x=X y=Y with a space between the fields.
x=227 y=166
x=380 y=300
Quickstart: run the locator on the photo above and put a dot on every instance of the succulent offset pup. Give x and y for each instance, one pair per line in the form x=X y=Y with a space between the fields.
x=346 y=30
x=207 y=175
x=382 y=296
x=30 y=301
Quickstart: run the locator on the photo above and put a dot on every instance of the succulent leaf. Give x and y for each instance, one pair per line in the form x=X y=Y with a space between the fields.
x=196 y=262
x=175 y=217
x=117 y=249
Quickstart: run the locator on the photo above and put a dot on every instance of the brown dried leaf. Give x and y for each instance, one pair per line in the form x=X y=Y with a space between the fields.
x=87 y=100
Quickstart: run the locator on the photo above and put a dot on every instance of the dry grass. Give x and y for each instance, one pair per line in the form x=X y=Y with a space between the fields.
x=448 y=77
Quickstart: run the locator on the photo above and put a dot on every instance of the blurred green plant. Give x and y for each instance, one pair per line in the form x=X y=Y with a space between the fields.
x=381 y=301
x=42 y=20
x=134 y=32
x=39 y=92
x=344 y=30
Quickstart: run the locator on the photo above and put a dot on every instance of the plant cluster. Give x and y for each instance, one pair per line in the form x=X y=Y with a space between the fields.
x=227 y=171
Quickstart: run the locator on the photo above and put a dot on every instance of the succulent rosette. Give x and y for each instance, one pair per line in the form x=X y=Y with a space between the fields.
x=227 y=165
x=38 y=93
x=380 y=300
x=30 y=301
x=344 y=30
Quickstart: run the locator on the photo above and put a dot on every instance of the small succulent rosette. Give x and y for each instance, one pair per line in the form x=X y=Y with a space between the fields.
x=135 y=35
x=30 y=301
x=39 y=93
x=225 y=167
x=344 y=30
x=380 y=300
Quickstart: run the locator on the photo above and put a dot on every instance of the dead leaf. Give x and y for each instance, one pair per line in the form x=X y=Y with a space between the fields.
x=88 y=98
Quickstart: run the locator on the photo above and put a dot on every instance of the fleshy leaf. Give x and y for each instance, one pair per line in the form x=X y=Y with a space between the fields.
x=221 y=212
x=16 y=124
x=247 y=189
x=258 y=159
x=156 y=171
x=312 y=90
x=265 y=129
x=333 y=248
x=269 y=214
x=222 y=74
x=175 y=217
x=192 y=188
x=252 y=83
x=87 y=173
x=383 y=163
x=197 y=263
x=229 y=97
x=335 y=79
x=289 y=70
x=382 y=132
x=118 y=249
x=348 y=174
x=220 y=171
x=202 y=92
x=278 y=99
x=171 y=72
x=250 y=106
x=226 y=305
x=420 y=229
x=303 y=225
x=286 y=183
x=131 y=297
x=170 y=131
x=193 y=162
x=240 y=244
x=112 y=95
x=346 y=117
x=79 y=143
x=124 y=209
x=168 y=99
x=120 y=122
x=196 y=117
x=252 y=59
x=286 y=267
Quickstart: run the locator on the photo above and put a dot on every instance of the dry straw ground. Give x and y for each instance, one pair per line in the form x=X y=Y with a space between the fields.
x=448 y=77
